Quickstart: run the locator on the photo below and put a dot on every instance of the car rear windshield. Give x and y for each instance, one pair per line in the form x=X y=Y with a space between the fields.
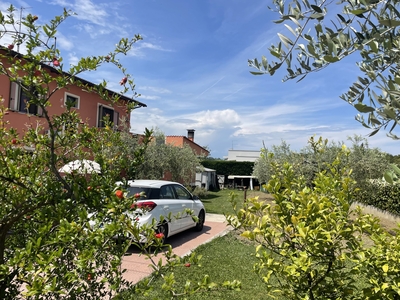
x=149 y=193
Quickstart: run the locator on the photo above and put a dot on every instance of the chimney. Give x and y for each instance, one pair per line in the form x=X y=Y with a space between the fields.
x=190 y=134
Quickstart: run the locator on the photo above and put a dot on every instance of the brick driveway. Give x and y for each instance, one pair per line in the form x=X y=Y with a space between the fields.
x=137 y=266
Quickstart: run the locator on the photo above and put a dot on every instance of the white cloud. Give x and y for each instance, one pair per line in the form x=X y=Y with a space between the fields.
x=148 y=97
x=63 y=42
x=215 y=118
x=137 y=50
x=73 y=59
x=155 y=89
x=85 y=10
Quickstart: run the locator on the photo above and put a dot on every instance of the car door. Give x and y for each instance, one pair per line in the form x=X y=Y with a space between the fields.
x=185 y=202
x=171 y=207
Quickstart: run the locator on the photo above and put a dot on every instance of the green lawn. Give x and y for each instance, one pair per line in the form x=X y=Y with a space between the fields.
x=218 y=202
x=225 y=258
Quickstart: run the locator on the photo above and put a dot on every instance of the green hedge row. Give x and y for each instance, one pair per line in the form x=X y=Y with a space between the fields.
x=381 y=195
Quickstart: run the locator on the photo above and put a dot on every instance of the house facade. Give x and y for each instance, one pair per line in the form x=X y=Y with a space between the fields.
x=180 y=141
x=205 y=178
x=243 y=181
x=89 y=105
x=243 y=155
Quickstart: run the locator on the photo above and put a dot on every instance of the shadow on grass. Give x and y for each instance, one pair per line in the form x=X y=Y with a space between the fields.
x=209 y=197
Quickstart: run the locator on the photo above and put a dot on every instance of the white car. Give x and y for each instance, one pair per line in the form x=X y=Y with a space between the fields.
x=166 y=199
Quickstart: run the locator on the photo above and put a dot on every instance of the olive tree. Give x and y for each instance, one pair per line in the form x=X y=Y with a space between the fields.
x=366 y=163
x=321 y=33
x=311 y=243
x=161 y=159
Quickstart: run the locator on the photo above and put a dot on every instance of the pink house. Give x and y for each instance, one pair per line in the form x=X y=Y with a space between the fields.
x=89 y=105
x=180 y=141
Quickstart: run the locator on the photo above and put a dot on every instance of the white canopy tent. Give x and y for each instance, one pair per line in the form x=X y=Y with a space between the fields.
x=234 y=177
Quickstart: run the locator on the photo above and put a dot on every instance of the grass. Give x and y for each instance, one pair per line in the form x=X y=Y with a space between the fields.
x=225 y=258
x=218 y=202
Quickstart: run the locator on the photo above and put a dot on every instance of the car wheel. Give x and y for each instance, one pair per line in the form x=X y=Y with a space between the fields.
x=200 y=222
x=163 y=228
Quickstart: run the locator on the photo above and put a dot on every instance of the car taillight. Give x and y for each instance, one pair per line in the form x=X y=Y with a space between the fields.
x=146 y=205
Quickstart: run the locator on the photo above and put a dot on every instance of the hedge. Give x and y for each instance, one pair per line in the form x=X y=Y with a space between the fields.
x=229 y=167
x=381 y=195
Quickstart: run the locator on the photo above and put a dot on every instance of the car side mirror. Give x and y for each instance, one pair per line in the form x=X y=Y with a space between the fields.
x=195 y=197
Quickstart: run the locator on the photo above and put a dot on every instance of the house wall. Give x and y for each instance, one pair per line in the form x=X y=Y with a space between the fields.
x=88 y=105
x=243 y=155
x=180 y=141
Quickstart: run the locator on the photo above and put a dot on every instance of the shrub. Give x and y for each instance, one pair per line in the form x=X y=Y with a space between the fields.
x=200 y=192
x=312 y=242
x=382 y=195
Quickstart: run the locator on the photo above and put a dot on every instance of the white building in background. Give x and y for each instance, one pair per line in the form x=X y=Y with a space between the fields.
x=243 y=181
x=244 y=155
x=206 y=178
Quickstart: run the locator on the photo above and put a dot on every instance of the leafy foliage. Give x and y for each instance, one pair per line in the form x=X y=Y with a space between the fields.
x=200 y=192
x=382 y=195
x=322 y=37
x=161 y=158
x=366 y=163
x=309 y=242
x=48 y=248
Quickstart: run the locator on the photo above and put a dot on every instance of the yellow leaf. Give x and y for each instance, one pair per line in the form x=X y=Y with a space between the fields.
x=385 y=268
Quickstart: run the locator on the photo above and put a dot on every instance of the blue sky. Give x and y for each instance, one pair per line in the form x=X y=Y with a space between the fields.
x=192 y=72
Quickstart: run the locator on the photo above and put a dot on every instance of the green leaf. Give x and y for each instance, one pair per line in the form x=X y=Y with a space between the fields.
x=374 y=46
x=264 y=62
x=257 y=73
x=341 y=18
x=275 y=53
x=285 y=40
x=316 y=8
x=389 y=112
x=389 y=22
x=291 y=29
x=373 y=132
x=364 y=108
x=331 y=59
x=358 y=11
x=311 y=49
x=364 y=81
x=317 y=16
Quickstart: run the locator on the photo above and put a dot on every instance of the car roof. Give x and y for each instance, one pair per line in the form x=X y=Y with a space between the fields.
x=148 y=183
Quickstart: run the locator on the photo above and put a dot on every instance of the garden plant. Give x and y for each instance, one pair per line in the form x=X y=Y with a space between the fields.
x=57 y=230
x=312 y=243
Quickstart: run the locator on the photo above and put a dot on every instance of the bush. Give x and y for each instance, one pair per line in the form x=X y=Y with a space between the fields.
x=311 y=241
x=200 y=192
x=382 y=195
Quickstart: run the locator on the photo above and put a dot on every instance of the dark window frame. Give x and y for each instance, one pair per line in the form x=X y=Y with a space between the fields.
x=19 y=100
